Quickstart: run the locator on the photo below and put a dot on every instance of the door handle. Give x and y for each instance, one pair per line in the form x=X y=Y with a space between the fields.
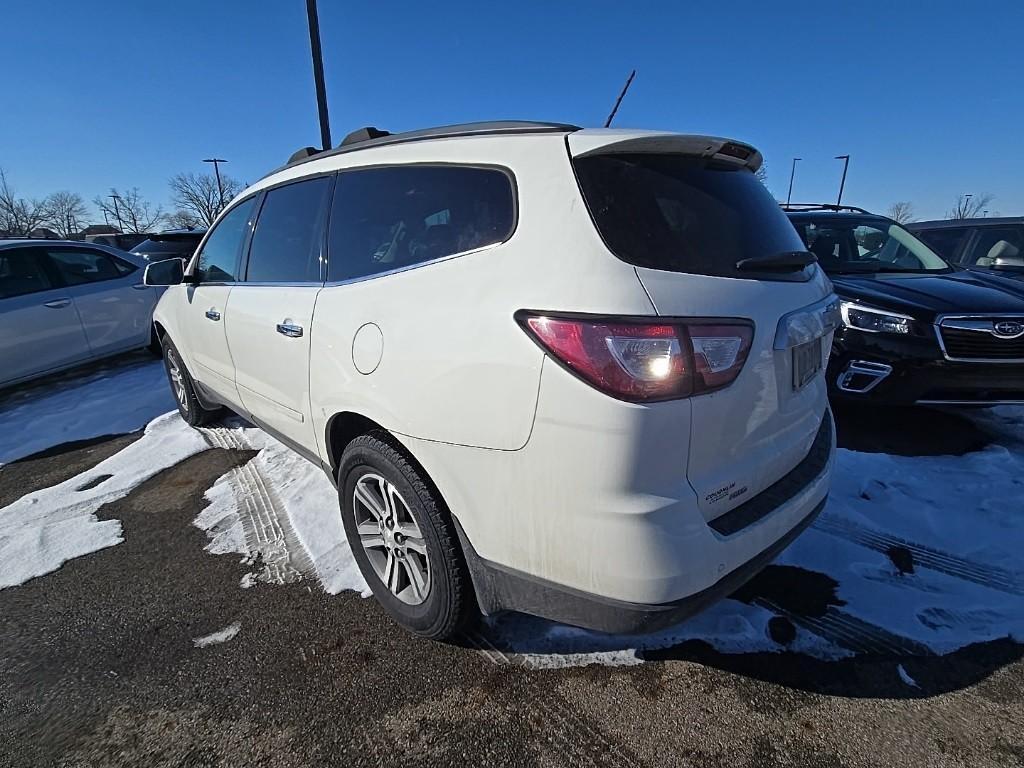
x=290 y=330
x=212 y=314
x=57 y=303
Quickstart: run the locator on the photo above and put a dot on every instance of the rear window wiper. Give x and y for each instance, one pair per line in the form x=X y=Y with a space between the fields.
x=788 y=261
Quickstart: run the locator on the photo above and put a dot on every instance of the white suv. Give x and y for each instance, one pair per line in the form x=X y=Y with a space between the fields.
x=574 y=373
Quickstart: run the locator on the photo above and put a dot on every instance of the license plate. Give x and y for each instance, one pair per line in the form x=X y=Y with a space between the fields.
x=806 y=362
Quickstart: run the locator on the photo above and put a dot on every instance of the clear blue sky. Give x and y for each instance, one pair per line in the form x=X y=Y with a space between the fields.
x=928 y=98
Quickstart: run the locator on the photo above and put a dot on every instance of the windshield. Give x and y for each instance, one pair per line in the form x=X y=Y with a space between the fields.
x=681 y=214
x=850 y=245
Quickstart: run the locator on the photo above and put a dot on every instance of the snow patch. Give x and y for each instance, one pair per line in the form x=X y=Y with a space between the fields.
x=44 y=529
x=905 y=677
x=281 y=513
x=217 y=637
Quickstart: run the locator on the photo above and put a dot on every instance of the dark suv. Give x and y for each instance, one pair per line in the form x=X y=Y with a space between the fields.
x=915 y=328
x=995 y=245
x=172 y=244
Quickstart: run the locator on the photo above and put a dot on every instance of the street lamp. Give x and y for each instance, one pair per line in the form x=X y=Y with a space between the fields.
x=792 y=173
x=117 y=211
x=216 y=169
x=318 y=73
x=846 y=164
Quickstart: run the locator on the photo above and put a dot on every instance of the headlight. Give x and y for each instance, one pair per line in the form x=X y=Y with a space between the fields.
x=875 y=320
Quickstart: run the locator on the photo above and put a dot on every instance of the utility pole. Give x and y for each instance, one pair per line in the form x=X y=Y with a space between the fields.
x=846 y=164
x=318 y=73
x=629 y=81
x=792 y=173
x=216 y=169
x=117 y=211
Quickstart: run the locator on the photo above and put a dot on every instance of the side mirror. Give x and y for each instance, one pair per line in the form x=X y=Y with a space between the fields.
x=167 y=272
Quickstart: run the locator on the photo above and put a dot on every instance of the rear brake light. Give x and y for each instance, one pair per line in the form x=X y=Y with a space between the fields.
x=645 y=360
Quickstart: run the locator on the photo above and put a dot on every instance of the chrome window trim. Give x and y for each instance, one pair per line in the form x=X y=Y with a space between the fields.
x=941 y=320
x=408 y=267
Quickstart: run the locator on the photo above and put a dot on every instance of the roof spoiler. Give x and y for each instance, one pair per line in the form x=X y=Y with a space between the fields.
x=709 y=147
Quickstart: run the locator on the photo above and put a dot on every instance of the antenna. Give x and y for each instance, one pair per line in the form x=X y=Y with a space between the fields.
x=629 y=80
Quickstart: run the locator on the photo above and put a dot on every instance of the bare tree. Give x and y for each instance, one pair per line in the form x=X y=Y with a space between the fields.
x=182 y=219
x=902 y=211
x=132 y=212
x=66 y=213
x=969 y=206
x=198 y=193
x=19 y=216
x=762 y=174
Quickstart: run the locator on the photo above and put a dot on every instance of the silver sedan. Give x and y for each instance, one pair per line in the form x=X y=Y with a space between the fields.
x=64 y=303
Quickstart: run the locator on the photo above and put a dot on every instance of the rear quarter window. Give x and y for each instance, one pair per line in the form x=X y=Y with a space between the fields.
x=389 y=218
x=682 y=214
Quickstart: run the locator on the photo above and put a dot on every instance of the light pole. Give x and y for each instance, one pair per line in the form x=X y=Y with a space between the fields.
x=117 y=211
x=318 y=73
x=846 y=164
x=216 y=169
x=792 y=173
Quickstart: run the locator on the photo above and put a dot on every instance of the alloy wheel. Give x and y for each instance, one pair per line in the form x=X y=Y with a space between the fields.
x=177 y=379
x=392 y=540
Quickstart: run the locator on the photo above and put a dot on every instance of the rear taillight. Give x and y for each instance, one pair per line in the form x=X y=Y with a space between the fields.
x=645 y=360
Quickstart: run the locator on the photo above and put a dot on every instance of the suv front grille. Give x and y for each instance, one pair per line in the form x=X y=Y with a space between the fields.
x=961 y=344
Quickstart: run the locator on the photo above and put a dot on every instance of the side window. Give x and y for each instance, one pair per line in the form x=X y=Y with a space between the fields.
x=289 y=232
x=992 y=243
x=22 y=272
x=946 y=241
x=81 y=266
x=388 y=218
x=218 y=261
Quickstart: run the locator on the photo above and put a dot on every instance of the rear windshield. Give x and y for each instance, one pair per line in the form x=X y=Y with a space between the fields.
x=682 y=214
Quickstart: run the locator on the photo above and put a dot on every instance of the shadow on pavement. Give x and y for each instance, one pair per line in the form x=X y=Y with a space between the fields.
x=862 y=676
x=908 y=431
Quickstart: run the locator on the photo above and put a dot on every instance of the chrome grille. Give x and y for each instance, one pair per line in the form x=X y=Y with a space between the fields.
x=964 y=344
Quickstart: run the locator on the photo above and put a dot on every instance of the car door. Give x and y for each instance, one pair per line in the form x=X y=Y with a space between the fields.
x=213 y=273
x=39 y=326
x=115 y=307
x=270 y=312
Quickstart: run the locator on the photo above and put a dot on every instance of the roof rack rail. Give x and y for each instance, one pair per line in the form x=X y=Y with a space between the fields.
x=363 y=134
x=372 y=137
x=820 y=207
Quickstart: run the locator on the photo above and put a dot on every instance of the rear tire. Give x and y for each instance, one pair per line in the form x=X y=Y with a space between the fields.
x=183 y=389
x=403 y=539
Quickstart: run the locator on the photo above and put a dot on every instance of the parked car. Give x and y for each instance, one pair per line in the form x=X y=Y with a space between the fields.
x=172 y=244
x=123 y=241
x=995 y=245
x=64 y=303
x=915 y=328
x=575 y=373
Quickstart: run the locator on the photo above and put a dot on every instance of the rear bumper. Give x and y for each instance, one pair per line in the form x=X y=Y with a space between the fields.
x=773 y=518
x=918 y=374
x=506 y=590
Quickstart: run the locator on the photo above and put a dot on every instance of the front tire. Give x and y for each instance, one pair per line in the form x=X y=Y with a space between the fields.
x=183 y=389
x=403 y=539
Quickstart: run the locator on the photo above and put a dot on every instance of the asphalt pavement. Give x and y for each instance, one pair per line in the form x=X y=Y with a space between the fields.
x=98 y=667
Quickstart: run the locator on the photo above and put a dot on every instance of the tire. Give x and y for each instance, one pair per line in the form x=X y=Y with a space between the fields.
x=183 y=389
x=437 y=604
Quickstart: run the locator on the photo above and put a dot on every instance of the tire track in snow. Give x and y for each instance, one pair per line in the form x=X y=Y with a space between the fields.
x=268 y=531
x=851 y=633
x=993 y=577
x=570 y=733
